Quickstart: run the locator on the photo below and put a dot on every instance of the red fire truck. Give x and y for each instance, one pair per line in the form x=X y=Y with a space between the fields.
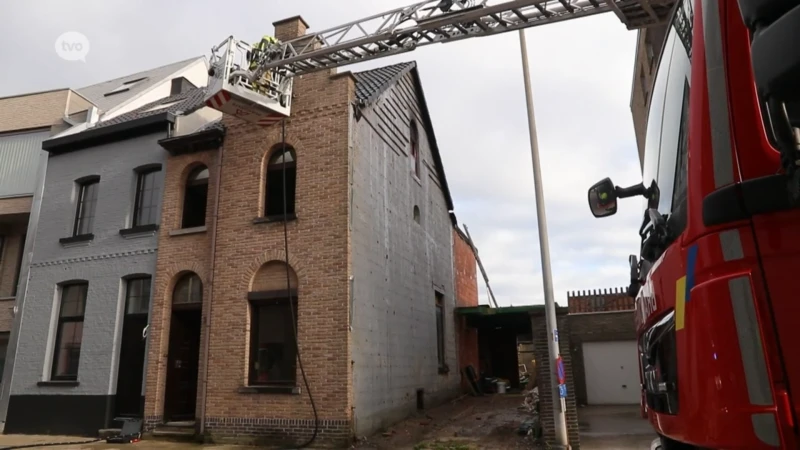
x=717 y=310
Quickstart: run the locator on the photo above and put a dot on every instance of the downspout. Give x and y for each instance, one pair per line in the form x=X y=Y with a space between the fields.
x=206 y=343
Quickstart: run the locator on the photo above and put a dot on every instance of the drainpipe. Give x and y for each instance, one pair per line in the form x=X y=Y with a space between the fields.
x=206 y=343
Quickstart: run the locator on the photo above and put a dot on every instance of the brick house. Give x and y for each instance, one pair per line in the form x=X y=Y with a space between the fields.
x=81 y=353
x=603 y=347
x=369 y=283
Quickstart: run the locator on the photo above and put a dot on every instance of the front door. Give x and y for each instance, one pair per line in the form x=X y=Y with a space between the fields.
x=183 y=362
x=131 y=366
x=129 y=401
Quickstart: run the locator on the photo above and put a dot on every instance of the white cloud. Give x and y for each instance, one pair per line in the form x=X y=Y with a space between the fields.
x=581 y=76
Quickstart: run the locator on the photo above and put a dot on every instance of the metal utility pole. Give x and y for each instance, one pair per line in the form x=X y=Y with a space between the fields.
x=559 y=408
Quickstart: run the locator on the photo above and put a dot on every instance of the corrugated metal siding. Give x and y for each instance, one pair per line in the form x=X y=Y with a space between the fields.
x=20 y=155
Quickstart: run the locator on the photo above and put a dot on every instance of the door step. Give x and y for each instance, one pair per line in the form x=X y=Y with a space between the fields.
x=177 y=431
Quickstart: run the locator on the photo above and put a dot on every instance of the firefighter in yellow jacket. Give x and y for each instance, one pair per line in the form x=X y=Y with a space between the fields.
x=261 y=52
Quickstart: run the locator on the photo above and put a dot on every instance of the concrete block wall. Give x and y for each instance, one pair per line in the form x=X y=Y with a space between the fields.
x=398 y=265
x=540 y=342
x=594 y=327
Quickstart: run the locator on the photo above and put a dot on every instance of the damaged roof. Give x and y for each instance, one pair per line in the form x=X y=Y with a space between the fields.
x=109 y=95
x=371 y=84
x=146 y=119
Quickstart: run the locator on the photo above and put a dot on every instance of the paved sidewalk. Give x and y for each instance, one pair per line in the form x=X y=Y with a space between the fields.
x=12 y=440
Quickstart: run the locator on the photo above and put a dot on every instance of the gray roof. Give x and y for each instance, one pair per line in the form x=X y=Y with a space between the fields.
x=372 y=83
x=186 y=102
x=96 y=93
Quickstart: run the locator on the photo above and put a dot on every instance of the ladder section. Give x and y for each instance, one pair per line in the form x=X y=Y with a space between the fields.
x=438 y=21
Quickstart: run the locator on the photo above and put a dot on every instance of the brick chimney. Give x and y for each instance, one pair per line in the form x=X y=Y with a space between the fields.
x=290 y=28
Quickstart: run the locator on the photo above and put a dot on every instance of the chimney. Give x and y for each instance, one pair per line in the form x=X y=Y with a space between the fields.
x=290 y=28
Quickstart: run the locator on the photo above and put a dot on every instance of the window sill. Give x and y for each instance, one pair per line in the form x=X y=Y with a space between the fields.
x=139 y=231
x=270 y=389
x=62 y=383
x=79 y=239
x=185 y=231
x=444 y=370
x=276 y=218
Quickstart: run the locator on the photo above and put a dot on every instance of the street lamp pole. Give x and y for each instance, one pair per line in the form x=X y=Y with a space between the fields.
x=559 y=408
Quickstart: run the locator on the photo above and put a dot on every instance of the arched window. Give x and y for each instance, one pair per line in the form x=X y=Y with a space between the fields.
x=188 y=290
x=273 y=305
x=416 y=214
x=277 y=189
x=195 y=198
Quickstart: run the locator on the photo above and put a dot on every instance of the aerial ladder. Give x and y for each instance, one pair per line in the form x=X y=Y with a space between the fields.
x=260 y=92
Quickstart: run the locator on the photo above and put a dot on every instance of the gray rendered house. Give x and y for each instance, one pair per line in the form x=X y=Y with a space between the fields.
x=82 y=339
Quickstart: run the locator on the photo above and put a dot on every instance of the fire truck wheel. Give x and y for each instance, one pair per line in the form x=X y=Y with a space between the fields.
x=669 y=444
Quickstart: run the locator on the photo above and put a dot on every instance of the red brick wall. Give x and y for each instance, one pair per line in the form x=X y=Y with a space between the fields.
x=599 y=300
x=466 y=286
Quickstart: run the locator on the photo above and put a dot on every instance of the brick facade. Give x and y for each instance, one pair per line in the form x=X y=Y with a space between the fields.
x=318 y=252
x=466 y=287
x=543 y=370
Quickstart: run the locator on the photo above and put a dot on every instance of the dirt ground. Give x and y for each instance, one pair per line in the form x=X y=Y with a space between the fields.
x=468 y=423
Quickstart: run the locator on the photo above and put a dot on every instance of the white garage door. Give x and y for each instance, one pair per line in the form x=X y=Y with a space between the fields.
x=612 y=372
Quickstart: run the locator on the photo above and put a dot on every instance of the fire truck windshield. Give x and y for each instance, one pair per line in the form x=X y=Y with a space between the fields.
x=666 y=140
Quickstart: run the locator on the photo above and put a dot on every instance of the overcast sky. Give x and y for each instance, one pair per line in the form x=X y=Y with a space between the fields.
x=581 y=75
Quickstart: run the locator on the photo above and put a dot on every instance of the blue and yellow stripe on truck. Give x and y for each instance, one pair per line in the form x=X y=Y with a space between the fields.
x=683 y=286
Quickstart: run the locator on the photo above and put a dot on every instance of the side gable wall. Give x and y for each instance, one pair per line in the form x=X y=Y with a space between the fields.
x=397 y=265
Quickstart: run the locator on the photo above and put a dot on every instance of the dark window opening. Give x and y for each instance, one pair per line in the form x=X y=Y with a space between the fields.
x=657 y=350
x=416 y=214
x=188 y=290
x=69 y=332
x=420 y=399
x=273 y=355
x=18 y=270
x=2 y=246
x=4 y=337
x=277 y=189
x=137 y=300
x=87 y=204
x=195 y=198
x=440 y=329
x=415 y=147
x=148 y=191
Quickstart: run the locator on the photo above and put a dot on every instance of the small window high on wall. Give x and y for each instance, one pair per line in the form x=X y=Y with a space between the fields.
x=415 y=147
x=195 y=198
x=280 y=191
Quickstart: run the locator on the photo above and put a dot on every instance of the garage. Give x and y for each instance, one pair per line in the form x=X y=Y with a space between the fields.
x=611 y=370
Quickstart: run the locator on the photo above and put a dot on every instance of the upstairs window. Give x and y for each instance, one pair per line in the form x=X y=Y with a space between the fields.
x=415 y=147
x=195 y=198
x=69 y=331
x=280 y=191
x=87 y=204
x=148 y=192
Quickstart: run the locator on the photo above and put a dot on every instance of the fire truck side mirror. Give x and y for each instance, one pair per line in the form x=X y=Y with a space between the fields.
x=776 y=56
x=603 y=198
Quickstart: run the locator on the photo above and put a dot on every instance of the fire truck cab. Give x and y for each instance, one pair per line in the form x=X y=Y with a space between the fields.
x=717 y=310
